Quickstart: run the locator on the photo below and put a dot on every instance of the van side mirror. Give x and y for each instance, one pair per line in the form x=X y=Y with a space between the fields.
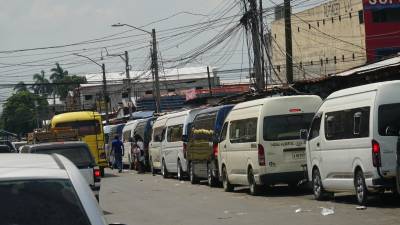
x=303 y=134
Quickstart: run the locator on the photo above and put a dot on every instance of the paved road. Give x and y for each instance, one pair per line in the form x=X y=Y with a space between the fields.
x=131 y=198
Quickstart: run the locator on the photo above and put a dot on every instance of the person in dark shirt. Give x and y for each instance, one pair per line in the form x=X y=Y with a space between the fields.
x=117 y=147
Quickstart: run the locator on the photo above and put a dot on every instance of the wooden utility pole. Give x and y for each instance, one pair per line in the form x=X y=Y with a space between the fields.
x=129 y=83
x=255 y=30
x=288 y=41
x=155 y=67
x=105 y=95
x=263 y=44
x=209 y=80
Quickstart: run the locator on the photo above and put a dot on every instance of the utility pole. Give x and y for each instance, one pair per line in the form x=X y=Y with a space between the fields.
x=255 y=30
x=209 y=80
x=263 y=44
x=288 y=40
x=105 y=96
x=155 y=65
x=129 y=83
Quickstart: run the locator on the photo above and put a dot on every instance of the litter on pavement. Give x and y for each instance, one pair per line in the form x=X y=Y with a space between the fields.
x=327 y=211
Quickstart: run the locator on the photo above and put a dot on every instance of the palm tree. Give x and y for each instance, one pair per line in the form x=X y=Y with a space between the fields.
x=21 y=86
x=58 y=73
x=42 y=85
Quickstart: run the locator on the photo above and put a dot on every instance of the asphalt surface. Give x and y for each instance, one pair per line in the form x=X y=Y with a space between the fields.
x=131 y=198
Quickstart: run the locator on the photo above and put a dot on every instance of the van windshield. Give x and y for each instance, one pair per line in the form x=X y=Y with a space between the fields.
x=285 y=127
x=389 y=120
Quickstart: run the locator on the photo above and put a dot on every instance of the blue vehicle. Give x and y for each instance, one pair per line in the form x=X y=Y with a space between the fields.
x=202 y=149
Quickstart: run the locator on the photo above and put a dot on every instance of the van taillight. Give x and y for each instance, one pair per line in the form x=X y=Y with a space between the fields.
x=97 y=175
x=215 y=149
x=376 y=154
x=184 y=150
x=261 y=155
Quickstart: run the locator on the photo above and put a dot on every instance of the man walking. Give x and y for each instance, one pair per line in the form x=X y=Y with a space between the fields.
x=118 y=148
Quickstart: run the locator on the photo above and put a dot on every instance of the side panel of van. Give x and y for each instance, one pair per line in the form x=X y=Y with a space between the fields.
x=346 y=140
x=173 y=144
x=241 y=144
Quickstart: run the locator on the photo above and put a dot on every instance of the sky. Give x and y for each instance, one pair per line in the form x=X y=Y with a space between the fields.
x=27 y=24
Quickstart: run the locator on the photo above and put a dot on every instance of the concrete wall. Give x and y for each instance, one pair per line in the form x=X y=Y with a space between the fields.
x=320 y=34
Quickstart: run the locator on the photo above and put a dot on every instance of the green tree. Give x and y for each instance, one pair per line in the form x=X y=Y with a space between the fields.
x=42 y=84
x=64 y=82
x=21 y=111
x=21 y=86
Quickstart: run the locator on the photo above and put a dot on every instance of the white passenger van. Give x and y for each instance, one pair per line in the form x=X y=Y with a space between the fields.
x=260 y=143
x=157 y=138
x=173 y=148
x=352 y=141
x=127 y=138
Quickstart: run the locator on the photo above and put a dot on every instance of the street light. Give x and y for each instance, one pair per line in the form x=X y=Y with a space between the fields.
x=154 y=58
x=103 y=68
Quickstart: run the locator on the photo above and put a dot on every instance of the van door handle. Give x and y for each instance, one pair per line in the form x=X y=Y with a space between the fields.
x=224 y=145
x=318 y=144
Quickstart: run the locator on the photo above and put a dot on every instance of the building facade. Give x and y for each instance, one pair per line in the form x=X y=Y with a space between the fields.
x=337 y=36
x=174 y=82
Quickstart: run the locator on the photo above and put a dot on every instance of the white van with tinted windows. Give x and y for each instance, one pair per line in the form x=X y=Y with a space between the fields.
x=260 y=142
x=352 y=141
x=174 y=146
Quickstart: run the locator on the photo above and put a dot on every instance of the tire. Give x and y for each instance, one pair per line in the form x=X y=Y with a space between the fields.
x=228 y=187
x=192 y=175
x=211 y=180
x=102 y=171
x=152 y=170
x=318 y=190
x=255 y=189
x=360 y=188
x=179 y=174
x=131 y=166
x=164 y=171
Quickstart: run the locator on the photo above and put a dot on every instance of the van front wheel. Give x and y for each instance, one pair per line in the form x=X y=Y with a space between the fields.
x=164 y=171
x=318 y=190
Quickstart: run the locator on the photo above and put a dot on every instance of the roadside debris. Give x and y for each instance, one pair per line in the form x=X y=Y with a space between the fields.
x=300 y=210
x=327 y=211
x=361 y=207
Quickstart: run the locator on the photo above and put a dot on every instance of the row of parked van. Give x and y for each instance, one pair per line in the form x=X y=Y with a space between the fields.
x=346 y=143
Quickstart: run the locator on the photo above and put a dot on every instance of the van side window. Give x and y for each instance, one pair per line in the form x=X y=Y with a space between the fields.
x=174 y=133
x=347 y=124
x=223 y=132
x=158 y=134
x=242 y=131
x=389 y=120
x=315 y=127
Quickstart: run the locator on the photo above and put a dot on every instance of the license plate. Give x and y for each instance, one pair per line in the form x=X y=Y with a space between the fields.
x=298 y=155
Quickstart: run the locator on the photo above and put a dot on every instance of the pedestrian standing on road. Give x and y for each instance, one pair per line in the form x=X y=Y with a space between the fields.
x=117 y=147
x=140 y=154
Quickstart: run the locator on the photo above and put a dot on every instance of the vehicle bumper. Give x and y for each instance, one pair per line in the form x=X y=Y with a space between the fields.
x=95 y=188
x=380 y=183
x=281 y=178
